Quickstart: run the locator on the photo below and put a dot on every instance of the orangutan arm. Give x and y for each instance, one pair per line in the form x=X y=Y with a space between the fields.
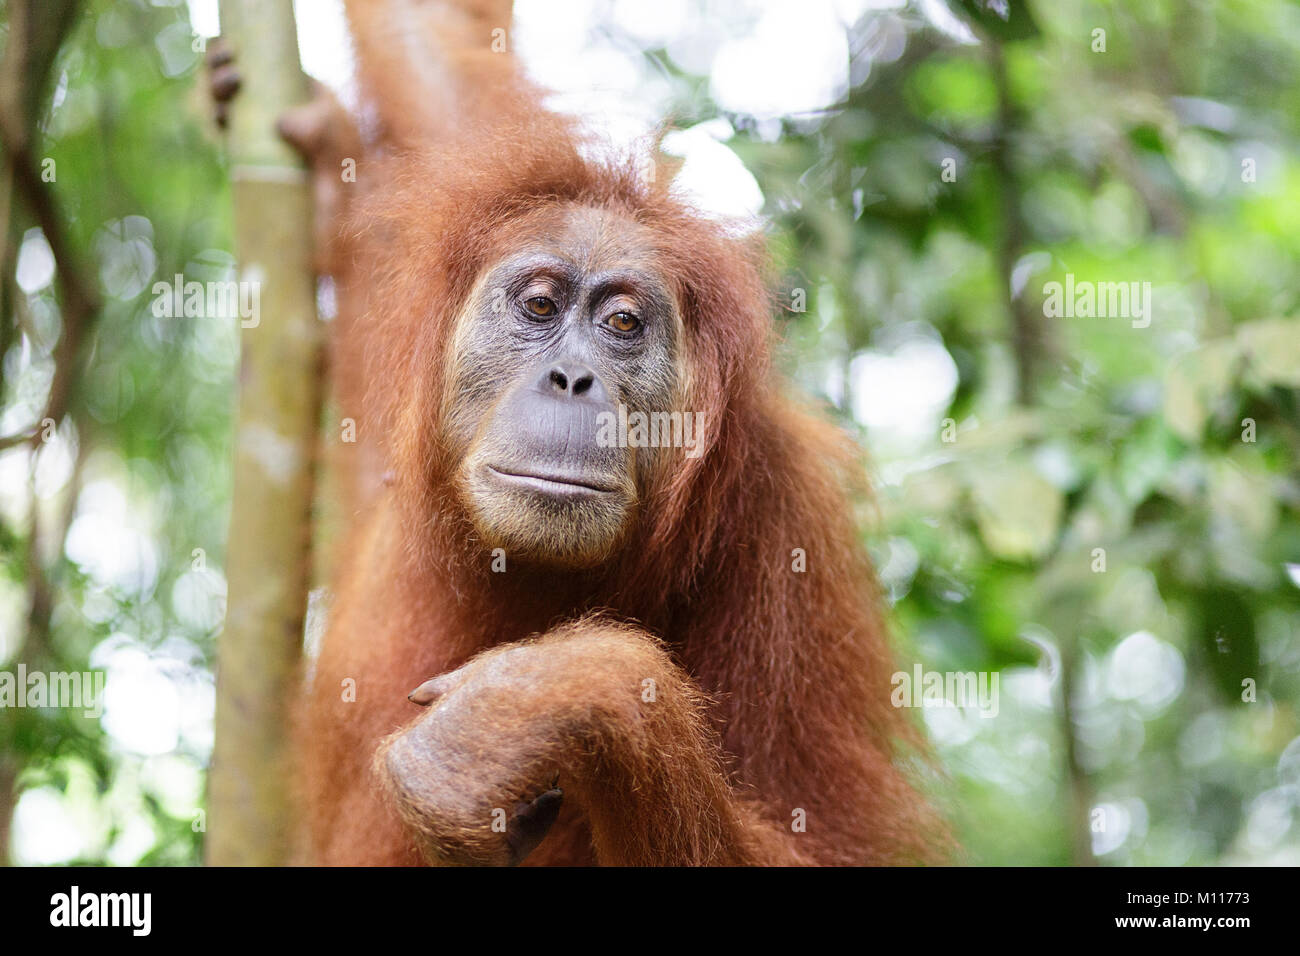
x=600 y=709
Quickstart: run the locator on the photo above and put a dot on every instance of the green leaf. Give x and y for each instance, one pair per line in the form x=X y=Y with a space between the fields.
x=1017 y=511
x=1194 y=384
x=1272 y=347
x=1002 y=19
x=1227 y=639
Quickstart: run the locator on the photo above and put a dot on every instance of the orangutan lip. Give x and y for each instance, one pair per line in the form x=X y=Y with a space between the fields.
x=549 y=483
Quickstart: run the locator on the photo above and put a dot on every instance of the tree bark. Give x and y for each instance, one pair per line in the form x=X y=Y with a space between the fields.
x=269 y=557
x=1027 y=331
x=8 y=798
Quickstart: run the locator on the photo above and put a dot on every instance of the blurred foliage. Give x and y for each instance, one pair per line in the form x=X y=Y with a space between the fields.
x=1127 y=527
x=1169 y=158
x=133 y=490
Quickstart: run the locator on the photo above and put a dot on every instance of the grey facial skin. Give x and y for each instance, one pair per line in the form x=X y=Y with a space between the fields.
x=571 y=323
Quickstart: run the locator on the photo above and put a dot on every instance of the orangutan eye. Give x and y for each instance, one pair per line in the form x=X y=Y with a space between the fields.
x=624 y=322
x=540 y=305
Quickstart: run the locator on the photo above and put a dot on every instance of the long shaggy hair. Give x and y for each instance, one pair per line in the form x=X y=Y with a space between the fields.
x=795 y=664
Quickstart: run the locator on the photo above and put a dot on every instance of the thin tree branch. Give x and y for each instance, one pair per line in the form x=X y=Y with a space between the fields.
x=19 y=438
x=1027 y=333
x=33 y=42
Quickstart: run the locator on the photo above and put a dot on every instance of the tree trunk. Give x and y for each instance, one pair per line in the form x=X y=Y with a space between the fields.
x=252 y=822
x=8 y=798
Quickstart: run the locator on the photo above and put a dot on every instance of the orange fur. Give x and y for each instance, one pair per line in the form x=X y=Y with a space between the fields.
x=776 y=684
